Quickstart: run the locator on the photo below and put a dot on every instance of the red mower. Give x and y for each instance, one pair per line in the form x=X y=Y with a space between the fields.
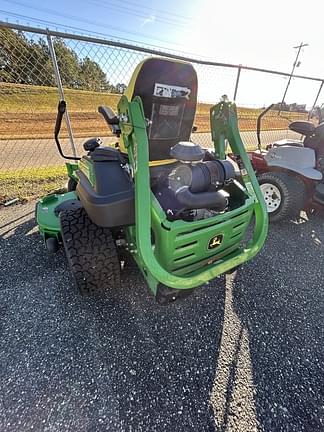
x=290 y=172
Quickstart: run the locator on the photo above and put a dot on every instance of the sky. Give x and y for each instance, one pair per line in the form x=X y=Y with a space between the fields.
x=250 y=32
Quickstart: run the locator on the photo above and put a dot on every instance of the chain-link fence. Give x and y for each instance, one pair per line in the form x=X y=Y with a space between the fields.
x=39 y=67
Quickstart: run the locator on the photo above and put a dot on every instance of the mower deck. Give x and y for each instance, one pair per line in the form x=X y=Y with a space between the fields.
x=47 y=213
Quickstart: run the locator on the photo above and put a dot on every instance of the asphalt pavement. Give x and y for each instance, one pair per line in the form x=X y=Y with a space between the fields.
x=245 y=353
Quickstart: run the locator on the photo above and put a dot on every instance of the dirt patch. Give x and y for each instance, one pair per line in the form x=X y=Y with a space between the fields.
x=30 y=112
x=84 y=124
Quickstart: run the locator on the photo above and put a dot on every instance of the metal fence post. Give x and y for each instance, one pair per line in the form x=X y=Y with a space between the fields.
x=60 y=90
x=237 y=82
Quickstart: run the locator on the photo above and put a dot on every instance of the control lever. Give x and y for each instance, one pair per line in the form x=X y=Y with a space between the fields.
x=60 y=112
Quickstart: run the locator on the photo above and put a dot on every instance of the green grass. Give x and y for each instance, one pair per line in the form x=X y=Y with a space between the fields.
x=21 y=98
x=27 y=184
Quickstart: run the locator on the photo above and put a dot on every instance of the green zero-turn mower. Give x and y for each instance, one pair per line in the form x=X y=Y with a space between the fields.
x=182 y=212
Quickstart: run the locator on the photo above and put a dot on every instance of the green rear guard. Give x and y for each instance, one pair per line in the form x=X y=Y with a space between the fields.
x=181 y=256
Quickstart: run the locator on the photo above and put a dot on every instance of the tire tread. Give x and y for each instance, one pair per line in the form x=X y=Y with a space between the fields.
x=91 y=253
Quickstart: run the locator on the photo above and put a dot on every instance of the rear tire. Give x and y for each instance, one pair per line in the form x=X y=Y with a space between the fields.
x=291 y=191
x=91 y=253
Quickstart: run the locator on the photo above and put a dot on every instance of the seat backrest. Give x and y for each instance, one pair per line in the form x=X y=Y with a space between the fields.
x=168 y=90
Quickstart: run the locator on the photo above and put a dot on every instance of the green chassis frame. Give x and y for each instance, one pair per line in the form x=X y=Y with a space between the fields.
x=180 y=257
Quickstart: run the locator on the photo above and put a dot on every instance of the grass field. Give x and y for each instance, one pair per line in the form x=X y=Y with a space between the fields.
x=29 y=183
x=30 y=111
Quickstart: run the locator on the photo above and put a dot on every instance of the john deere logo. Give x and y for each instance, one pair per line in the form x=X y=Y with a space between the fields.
x=215 y=241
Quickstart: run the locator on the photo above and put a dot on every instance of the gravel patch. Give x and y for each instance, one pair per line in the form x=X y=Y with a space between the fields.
x=243 y=353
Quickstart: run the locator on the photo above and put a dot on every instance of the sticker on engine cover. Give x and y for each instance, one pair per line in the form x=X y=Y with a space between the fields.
x=169 y=91
x=215 y=241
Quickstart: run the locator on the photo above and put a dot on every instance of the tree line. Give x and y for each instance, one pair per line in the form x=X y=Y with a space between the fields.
x=293 y=107
x=25 y=61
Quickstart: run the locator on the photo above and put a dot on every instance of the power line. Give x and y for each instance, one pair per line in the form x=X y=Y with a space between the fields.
x=160 y=11
x=170 y=19
x=87 y=32
x=63 y=26
x=115 y=7
x=85 y=21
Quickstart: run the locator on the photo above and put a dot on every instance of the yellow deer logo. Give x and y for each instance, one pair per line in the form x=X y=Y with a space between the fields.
x=215 y=241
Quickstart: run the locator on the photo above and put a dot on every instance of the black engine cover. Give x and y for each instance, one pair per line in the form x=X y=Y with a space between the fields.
x=110 y=202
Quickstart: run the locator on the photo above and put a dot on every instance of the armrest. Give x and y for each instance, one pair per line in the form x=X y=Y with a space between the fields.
x=111 y=119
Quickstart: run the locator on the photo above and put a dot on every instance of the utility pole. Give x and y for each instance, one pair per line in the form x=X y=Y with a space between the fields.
x=296 y=64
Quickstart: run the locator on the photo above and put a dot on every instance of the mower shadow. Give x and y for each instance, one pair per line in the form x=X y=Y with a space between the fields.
x=281 y=309
x=145 y=366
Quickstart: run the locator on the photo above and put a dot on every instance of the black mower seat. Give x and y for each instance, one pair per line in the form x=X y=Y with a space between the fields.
x=288 y=142
x=319 y=130
x=168 y=90
x=314 y=136
x=302 y=127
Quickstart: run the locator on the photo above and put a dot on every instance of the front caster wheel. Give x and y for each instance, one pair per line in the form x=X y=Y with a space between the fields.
x=52 y=245
x=166 y=295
